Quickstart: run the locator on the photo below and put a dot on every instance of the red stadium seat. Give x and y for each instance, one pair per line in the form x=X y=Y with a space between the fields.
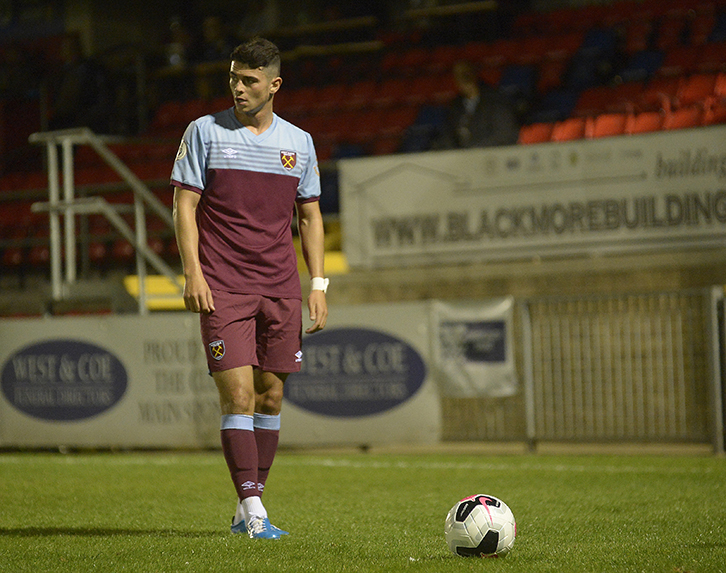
x=696 y=88
x=715 y=112
x=659 y=93
x=683 y=117
x=569 y=129
x=535 y=133
x=549 y=74
x=719 y=88
x=637 y=36
x=607 y=124
x=669 y=31
x=391 y=92
x=644 y=122
x=712 y=57
x=680 y=60
x=360 y=94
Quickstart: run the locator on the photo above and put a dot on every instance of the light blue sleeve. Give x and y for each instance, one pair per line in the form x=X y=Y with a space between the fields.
x=309 y=186
x=190 y=166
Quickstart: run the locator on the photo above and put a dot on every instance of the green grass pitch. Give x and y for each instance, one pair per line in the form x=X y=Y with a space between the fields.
x=158 y=512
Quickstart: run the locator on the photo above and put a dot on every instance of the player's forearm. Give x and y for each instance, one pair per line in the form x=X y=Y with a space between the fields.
x=312 y=240
x=187 y=238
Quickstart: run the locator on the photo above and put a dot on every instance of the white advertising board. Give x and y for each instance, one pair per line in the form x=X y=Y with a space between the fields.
x=142 y=382
x=616 y=194
x=114 y=381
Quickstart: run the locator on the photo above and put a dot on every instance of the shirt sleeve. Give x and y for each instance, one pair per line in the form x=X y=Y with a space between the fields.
x=308 y=188
x=190 y=166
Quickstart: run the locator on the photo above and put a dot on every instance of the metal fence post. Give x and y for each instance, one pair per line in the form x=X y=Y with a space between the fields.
x=714 y=354
x=529 y=409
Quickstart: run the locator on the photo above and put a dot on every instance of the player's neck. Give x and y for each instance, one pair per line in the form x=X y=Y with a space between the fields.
x=257 y=122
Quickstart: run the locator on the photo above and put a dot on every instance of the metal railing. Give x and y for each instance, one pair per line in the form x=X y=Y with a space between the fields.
x=609 y=368
x=63 y=246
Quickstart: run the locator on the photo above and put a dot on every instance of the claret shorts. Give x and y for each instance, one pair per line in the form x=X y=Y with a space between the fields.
x=253 y=330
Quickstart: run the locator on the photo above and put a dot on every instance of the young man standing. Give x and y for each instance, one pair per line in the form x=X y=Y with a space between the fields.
x=238 y=177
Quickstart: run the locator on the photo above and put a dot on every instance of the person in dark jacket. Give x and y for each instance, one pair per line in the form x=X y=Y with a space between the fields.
x=479 y=116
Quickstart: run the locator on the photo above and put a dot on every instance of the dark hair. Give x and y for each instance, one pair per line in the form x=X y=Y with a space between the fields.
x=258 y=53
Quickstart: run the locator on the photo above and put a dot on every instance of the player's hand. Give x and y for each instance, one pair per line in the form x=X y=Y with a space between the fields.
x=318 y=307
x=197 y=294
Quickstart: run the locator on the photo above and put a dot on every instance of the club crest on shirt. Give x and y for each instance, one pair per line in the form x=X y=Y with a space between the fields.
x=216 y=349
x=288 y=159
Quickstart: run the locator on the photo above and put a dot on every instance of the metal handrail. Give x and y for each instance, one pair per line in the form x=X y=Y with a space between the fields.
x=70 y=206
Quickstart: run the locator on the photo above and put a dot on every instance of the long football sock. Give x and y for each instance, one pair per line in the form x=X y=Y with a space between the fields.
x=240 y=451
x=267 y=436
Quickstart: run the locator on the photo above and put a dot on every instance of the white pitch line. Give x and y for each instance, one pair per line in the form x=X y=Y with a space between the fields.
x=164 y=459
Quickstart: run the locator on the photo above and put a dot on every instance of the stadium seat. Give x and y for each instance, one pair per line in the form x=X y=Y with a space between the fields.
x=397 y=120
x=328 y=96
x=712 y=58
x=360 y=94
x=606 y=125
x=714 y=112
x=593 y=100
x=659 y=93
x=670 y=31
x=392 y=91
x=13 y=258
x=696 y=88
x=701 y=26
x=637 y=36
x=299 y=101
x=644 y=122
x=680 y=60
x=535 y=133
x=569 y=129
x=683 y=117
x=531 y=50
x=443 y=58
x=550 y=74
x=408 y=62
x=563 y=46
x=719 y=88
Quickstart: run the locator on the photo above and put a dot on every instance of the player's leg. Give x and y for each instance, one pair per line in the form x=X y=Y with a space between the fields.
x=229 y=337
x=236 y=396
x=268 y=403
x=279 y=331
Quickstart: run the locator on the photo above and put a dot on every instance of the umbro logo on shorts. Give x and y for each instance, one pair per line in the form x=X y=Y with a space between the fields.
x=216 y=349
x=298 y=356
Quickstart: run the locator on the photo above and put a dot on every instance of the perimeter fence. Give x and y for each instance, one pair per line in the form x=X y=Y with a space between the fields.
x=621 y=367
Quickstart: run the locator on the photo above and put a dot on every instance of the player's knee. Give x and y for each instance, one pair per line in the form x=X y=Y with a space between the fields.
x=270 y=402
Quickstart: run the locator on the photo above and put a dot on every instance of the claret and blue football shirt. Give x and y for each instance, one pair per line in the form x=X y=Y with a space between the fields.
x=249 y=185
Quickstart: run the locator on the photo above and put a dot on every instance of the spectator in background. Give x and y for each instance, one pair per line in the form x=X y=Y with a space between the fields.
x=217 y=43
x=80 y=93
x=260 y=16
x=179 y=44
x=479 y=116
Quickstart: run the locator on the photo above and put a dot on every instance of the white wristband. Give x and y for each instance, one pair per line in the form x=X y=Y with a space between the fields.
x=319 y=283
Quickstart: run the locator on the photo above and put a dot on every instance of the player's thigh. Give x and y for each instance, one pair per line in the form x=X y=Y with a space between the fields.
x=236 y=390
x=279 y=335
x=229 y=333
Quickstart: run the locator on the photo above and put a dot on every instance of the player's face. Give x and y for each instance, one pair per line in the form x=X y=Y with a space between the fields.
x=252 y=89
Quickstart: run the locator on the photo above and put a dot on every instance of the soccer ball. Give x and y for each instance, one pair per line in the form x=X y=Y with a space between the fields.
x=480 y=526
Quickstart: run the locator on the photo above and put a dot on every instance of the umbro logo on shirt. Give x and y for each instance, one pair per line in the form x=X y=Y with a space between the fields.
x=229 y=152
